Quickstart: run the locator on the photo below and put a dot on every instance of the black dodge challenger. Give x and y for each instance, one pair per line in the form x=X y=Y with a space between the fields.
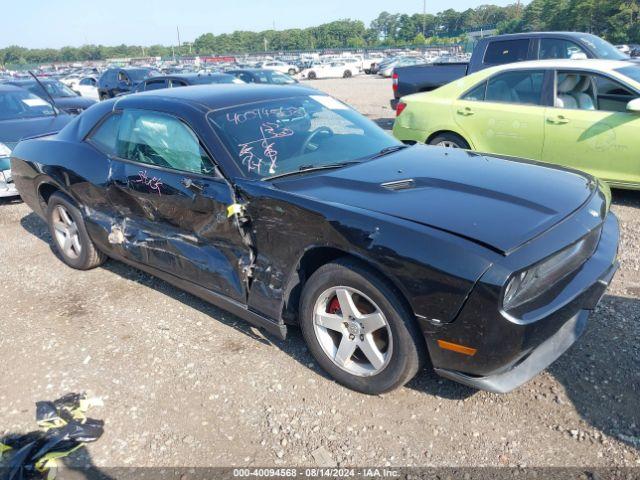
x=286 y=207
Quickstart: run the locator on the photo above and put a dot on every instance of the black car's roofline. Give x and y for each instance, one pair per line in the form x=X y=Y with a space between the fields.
x=559 y=34
x=220 y=96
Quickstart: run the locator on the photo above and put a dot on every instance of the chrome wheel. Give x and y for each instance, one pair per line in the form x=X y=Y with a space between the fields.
x=447 y=144
x=66 y=232
x=352 y=331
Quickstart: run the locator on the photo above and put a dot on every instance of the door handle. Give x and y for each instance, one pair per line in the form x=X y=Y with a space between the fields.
x=193 y=186
x=558 y=120
x=466 y=111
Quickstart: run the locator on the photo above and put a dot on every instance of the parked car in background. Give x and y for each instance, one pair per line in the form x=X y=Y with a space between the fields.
x=580 y=114
x=257 y=75
x=87 y=87
x=120 y=80
x=23 y=115
x=184 y=80
x=356 y=62
x=387 y=69
x=64 y=97
x=314 y=216
x=328 y=70
x=278 y=66
x=502 y=49
x=371 y=61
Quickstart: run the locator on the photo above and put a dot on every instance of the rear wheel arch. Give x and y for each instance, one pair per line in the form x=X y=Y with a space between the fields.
x=448 y=132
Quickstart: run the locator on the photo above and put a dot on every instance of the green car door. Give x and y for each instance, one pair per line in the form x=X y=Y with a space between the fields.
x=590 y=128
x=505 y=114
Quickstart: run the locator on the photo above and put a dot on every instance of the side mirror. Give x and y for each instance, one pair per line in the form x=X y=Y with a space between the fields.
x=578 y=56
x=634 y=106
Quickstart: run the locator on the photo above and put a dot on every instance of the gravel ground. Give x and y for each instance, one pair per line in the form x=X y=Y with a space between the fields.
x=186 y=384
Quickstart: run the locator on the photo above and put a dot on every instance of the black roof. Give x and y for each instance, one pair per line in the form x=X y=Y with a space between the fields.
x=31 y=81
x=9 y=87
x=220 y=95
x=513 y=36
x=190 y=77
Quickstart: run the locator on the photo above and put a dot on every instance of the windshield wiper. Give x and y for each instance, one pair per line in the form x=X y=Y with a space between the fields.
x=388 y=150
x=312 y=168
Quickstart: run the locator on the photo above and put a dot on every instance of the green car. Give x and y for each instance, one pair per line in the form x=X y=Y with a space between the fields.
x=583 y=114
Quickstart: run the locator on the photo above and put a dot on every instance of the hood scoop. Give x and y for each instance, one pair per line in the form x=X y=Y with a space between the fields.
x=399 y=185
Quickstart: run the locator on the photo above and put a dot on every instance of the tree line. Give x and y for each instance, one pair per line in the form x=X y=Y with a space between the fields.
x=615 y=20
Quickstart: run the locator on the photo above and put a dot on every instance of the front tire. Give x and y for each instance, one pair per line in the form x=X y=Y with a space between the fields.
x=312 y=76
x=292 y=72
x=69 y=233
x=347 y=74
x=358 y=329
x=449 y=140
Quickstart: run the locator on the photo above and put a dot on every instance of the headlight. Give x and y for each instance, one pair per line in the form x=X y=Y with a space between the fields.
x=527 y=285
x=4 y=150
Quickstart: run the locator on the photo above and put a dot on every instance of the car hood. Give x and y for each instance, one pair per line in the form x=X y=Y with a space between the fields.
x=498 y=202
x=12 y=131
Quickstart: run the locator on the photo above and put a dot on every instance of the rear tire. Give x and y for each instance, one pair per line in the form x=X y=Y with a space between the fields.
x=449 y=140
x=383 y=347
x=292 y=72
x=69 y=234
x=312 y=76
x=347 y=74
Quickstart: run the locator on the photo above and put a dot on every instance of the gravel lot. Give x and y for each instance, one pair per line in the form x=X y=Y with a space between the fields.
x=186 y=384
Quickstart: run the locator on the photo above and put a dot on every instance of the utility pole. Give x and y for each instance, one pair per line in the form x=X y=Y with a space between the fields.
x=424 y=18
x=178 y=30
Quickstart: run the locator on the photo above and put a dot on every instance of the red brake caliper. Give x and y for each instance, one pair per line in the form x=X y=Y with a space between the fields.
x=334 y=306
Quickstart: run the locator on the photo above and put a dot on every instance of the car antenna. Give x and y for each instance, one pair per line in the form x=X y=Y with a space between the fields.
x=52 y=101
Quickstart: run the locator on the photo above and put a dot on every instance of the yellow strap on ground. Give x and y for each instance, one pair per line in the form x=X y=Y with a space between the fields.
x=235 y=209
x=50 y=459
x=4 y=448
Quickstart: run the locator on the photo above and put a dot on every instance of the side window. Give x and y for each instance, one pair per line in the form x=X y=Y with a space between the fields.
x=178 y=83
x=155 y=85
x=558 y=48
x=161 y=140
x=612 y=96
x=522 y=87
x=506 y=51
x=476 y=94
x=583 y=91
x=105 y=136
x=246 y=77
x=122 y=77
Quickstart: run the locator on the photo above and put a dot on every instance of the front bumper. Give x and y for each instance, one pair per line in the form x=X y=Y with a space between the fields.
x=511 y=352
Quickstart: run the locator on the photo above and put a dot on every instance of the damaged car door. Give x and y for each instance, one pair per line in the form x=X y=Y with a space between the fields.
x=170 y=203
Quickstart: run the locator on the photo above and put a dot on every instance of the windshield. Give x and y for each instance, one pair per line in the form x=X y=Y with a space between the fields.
x=602 y=48
x=281 y=136
x=23 y=104
x=280 y=78
x=632 y=71
x=55 y=89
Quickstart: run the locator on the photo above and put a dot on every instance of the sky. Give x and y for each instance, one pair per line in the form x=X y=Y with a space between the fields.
x=54 y=24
